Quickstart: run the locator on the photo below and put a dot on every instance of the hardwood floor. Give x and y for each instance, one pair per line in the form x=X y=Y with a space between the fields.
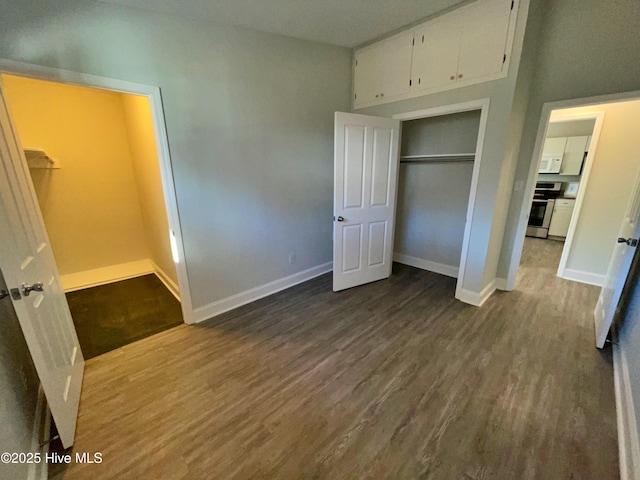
x=395 y=379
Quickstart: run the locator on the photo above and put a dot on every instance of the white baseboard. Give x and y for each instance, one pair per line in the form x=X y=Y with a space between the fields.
x=221 y=306
x=501 y=284
x=441 y=268
x=104 y=275
x=475 y=298
x=583 y=277
x=628 y=437
x=168 y=282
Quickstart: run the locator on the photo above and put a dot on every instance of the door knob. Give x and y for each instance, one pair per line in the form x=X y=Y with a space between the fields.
x=3 y=294
x=340 y=219
x=632 y=242
x=36 y=287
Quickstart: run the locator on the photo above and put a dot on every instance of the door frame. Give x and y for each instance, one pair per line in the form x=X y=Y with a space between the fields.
x=482 y=105
x=154 y=95
x=564 y=116
x=547 y=108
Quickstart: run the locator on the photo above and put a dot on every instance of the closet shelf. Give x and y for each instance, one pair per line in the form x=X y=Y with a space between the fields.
x=439 y=158
x=38 y=158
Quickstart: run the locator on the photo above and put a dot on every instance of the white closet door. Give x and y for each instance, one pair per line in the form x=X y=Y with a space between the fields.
x=484 y=36
x=435 y=54
x=26 y=260
x=365 y=184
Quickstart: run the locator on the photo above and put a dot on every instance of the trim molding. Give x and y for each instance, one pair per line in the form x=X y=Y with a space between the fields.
x=104 y=275
x=441 y=268
x=221 y=306
x=583 y=277
x=474 y=298
x=628 y=437
x=501 y=284
x=40 y=433
x=168 y=282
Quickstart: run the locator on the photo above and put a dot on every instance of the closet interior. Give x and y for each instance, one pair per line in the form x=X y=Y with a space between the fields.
x=436 y=168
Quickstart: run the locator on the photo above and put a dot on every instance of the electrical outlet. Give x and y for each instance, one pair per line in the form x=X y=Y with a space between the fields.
x=292 y=258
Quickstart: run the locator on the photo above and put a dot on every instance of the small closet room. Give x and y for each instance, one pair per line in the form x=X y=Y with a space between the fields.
x=436 y=167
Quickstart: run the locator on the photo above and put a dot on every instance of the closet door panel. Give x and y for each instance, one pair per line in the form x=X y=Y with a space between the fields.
x=368 y=74
x=396 y=65
x=484 y=37
x=435 y=54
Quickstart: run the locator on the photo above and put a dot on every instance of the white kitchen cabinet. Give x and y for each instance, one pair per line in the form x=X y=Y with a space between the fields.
x=466 y=46
x=574 y=155
x=561 y=218
x=554 y=146
x=383 y=70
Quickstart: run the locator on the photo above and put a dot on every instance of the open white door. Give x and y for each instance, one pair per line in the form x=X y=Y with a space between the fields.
x=365 y=184
x=618 y=267
x=26 y=261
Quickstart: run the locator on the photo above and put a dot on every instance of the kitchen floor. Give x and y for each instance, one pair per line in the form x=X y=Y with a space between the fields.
x=542 y=253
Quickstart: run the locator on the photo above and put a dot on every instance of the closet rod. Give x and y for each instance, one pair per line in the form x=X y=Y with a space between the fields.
x=454 y=160
x=444 y=158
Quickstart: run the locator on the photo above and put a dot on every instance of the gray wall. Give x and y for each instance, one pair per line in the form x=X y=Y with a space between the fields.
x=587 y=48
x=249 y=119
x=576 y=128
x=433 y=198
x=494 y=182
x=18 y=389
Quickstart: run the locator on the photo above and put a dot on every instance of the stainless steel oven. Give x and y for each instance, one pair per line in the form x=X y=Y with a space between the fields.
x=542 y=208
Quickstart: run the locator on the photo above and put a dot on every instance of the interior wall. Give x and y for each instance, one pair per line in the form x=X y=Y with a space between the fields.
x=613 y=175
x=249 y=119
x=433 y=197
x=90 y=205
x=18 y=390
x=146 y=168
x=493 y=182
x=587 y=48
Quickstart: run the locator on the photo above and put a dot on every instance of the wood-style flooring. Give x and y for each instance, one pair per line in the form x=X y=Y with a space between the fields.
x=113 y=315
x=393 y=380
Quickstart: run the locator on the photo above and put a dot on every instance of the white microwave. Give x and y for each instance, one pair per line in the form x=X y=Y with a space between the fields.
x=550 y=164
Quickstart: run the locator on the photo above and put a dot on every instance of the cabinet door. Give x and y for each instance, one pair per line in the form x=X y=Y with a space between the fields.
x=562 y=212
x=484 y=38
x=574 y=155
x=435 y=54
x=396 y=65
x=554 y=146
x=368 y=74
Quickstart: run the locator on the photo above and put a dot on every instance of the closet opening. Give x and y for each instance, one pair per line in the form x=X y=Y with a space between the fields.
x=439 y=162
x=95 y=167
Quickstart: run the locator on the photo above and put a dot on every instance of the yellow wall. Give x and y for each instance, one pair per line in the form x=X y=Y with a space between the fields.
x=613 y=175
x=90 y=206
x=137 y=115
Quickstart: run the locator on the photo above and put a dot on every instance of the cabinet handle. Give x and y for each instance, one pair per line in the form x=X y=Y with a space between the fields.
x=382 y=94
x=460 y=75
x=452 y=77
x=377 y=95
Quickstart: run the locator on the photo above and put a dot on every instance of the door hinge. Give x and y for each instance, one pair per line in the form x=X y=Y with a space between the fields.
x=413 y=41
x=512 y=4
x=504 y=59
x=409 y=82
x=355 y=96
x=356 y=62
x=422 y=38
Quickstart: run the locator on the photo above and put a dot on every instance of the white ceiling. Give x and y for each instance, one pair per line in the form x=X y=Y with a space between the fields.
x=339 y=22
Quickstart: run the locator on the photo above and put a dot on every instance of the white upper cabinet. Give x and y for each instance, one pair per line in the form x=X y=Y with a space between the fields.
x=574 y=154
x=466 y=46
x=383 y=69
x=484 y=38
x=435 y=54
x=554 y=146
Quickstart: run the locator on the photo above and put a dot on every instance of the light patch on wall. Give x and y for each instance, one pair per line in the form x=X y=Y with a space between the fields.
x=174 y=247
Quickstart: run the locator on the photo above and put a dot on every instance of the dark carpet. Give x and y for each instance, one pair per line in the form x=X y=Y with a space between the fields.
x=110 y=316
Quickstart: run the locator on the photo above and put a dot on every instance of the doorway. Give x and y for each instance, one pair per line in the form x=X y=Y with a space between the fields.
x=588 y=187
x=94 y=163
